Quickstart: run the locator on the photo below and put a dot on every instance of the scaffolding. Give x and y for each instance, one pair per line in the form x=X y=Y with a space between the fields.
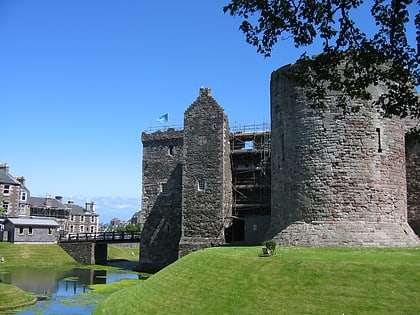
x=251 y=172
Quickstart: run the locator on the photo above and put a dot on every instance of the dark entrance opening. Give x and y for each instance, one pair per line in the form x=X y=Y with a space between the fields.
x=236 y=232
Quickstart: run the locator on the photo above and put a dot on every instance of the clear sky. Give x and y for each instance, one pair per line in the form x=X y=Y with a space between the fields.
x=81 y=79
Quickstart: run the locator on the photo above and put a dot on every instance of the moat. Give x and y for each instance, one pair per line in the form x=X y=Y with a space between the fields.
x=60 y=291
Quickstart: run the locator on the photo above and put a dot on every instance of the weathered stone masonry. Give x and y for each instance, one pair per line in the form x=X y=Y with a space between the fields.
x=161 y=198
x=412 y=147
x=207 y=176
x=319 y=178
x=187 y=195
x=337 y=180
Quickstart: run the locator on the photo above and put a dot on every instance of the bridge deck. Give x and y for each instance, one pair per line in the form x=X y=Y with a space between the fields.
x=103 y=237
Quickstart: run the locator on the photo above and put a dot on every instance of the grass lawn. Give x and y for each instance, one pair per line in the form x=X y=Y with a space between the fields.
x=17 y=255
x=235 y=280
x=11 y=296
x=124 y=253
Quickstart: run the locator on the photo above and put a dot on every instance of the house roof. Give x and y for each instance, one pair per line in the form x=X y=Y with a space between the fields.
x=30 y=221
x=40 y=202
x=6 y=178
x=78 y=210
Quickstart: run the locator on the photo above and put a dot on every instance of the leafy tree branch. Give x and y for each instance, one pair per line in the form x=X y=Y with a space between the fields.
x=350 y=61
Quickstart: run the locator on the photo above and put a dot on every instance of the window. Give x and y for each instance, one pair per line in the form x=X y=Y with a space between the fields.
x=171 y=150
x=249 y=145
x=50 y=231
x=378 y=131
x=22 y=208
x=82 y=218
x=164 y=188
x=82 y=228
x=6 y=206
x=282 y=148
x=31 y=231
x=72 y=218
x=22 y=195
x=92 y=229
x=92 y=219
x=21 y=230
x=6 y=190
x=201 y=184
x=71 y=229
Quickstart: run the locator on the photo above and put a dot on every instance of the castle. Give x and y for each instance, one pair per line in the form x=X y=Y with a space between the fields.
x=317 y=178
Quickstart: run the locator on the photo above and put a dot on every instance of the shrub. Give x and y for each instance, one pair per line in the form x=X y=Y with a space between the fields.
x=271 y=245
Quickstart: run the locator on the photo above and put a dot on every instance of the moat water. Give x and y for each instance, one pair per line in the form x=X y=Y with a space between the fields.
x=62 y=289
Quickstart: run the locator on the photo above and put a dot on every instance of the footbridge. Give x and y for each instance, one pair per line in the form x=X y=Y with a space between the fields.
x=92 y=248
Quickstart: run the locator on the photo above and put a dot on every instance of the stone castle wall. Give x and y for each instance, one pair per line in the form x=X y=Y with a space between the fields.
x=180 y=216
x=206 y=210
x=413 y=182
x=337 y=179
x=161 y=198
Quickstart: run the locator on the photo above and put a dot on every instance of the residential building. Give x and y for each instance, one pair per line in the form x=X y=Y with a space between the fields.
x=71 y=217
x=13 y=193
x=49 y=207
x=30 y=230
x=82 y=220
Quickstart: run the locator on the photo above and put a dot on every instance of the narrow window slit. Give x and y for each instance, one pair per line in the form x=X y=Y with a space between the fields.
x=378 y=131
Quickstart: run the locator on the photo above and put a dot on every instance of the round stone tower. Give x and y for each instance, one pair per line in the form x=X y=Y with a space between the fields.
x=337 y=179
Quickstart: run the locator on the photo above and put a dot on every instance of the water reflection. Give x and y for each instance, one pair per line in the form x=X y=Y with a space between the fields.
x=50 y=281
x=57 y=285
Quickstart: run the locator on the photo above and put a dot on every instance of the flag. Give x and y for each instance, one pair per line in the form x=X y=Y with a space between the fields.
x=164 y=118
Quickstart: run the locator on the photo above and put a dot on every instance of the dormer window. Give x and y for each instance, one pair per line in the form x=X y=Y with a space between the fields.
x=6 y=190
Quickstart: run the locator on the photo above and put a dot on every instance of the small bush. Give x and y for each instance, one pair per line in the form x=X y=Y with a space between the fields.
x=271 y=245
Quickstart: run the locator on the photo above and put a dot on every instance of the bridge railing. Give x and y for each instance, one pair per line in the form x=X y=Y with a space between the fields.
x=101 y=236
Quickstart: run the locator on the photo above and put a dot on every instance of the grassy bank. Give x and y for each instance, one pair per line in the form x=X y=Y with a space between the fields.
x=229 y=280
x=22 y=255
x=12 y=297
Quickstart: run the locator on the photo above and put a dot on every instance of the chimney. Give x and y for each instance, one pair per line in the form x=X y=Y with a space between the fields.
x=21 y=180
x=89 y=206
x=4 y=167
x=48 y=201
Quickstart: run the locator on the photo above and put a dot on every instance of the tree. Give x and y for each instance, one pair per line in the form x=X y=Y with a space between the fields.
x=129 y=228
x=350 y=60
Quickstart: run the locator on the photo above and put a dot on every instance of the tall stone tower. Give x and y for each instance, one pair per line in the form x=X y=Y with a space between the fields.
x=337 y=179
x=207 y=176
x=161 y=199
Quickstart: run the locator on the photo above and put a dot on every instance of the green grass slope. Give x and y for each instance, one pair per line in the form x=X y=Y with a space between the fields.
x=235 y=280
x=17 y=255
x=12 y=297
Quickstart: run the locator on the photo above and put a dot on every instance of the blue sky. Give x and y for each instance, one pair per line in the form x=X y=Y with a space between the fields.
x=81 y=79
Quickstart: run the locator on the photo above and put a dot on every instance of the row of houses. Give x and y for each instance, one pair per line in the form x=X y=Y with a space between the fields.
x=24 y=218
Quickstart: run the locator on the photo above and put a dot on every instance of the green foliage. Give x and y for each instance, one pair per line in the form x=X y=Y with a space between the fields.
x=2 y=211
x=350 y=60
x=271 y=245
x=234 y=280
x=129 y=228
